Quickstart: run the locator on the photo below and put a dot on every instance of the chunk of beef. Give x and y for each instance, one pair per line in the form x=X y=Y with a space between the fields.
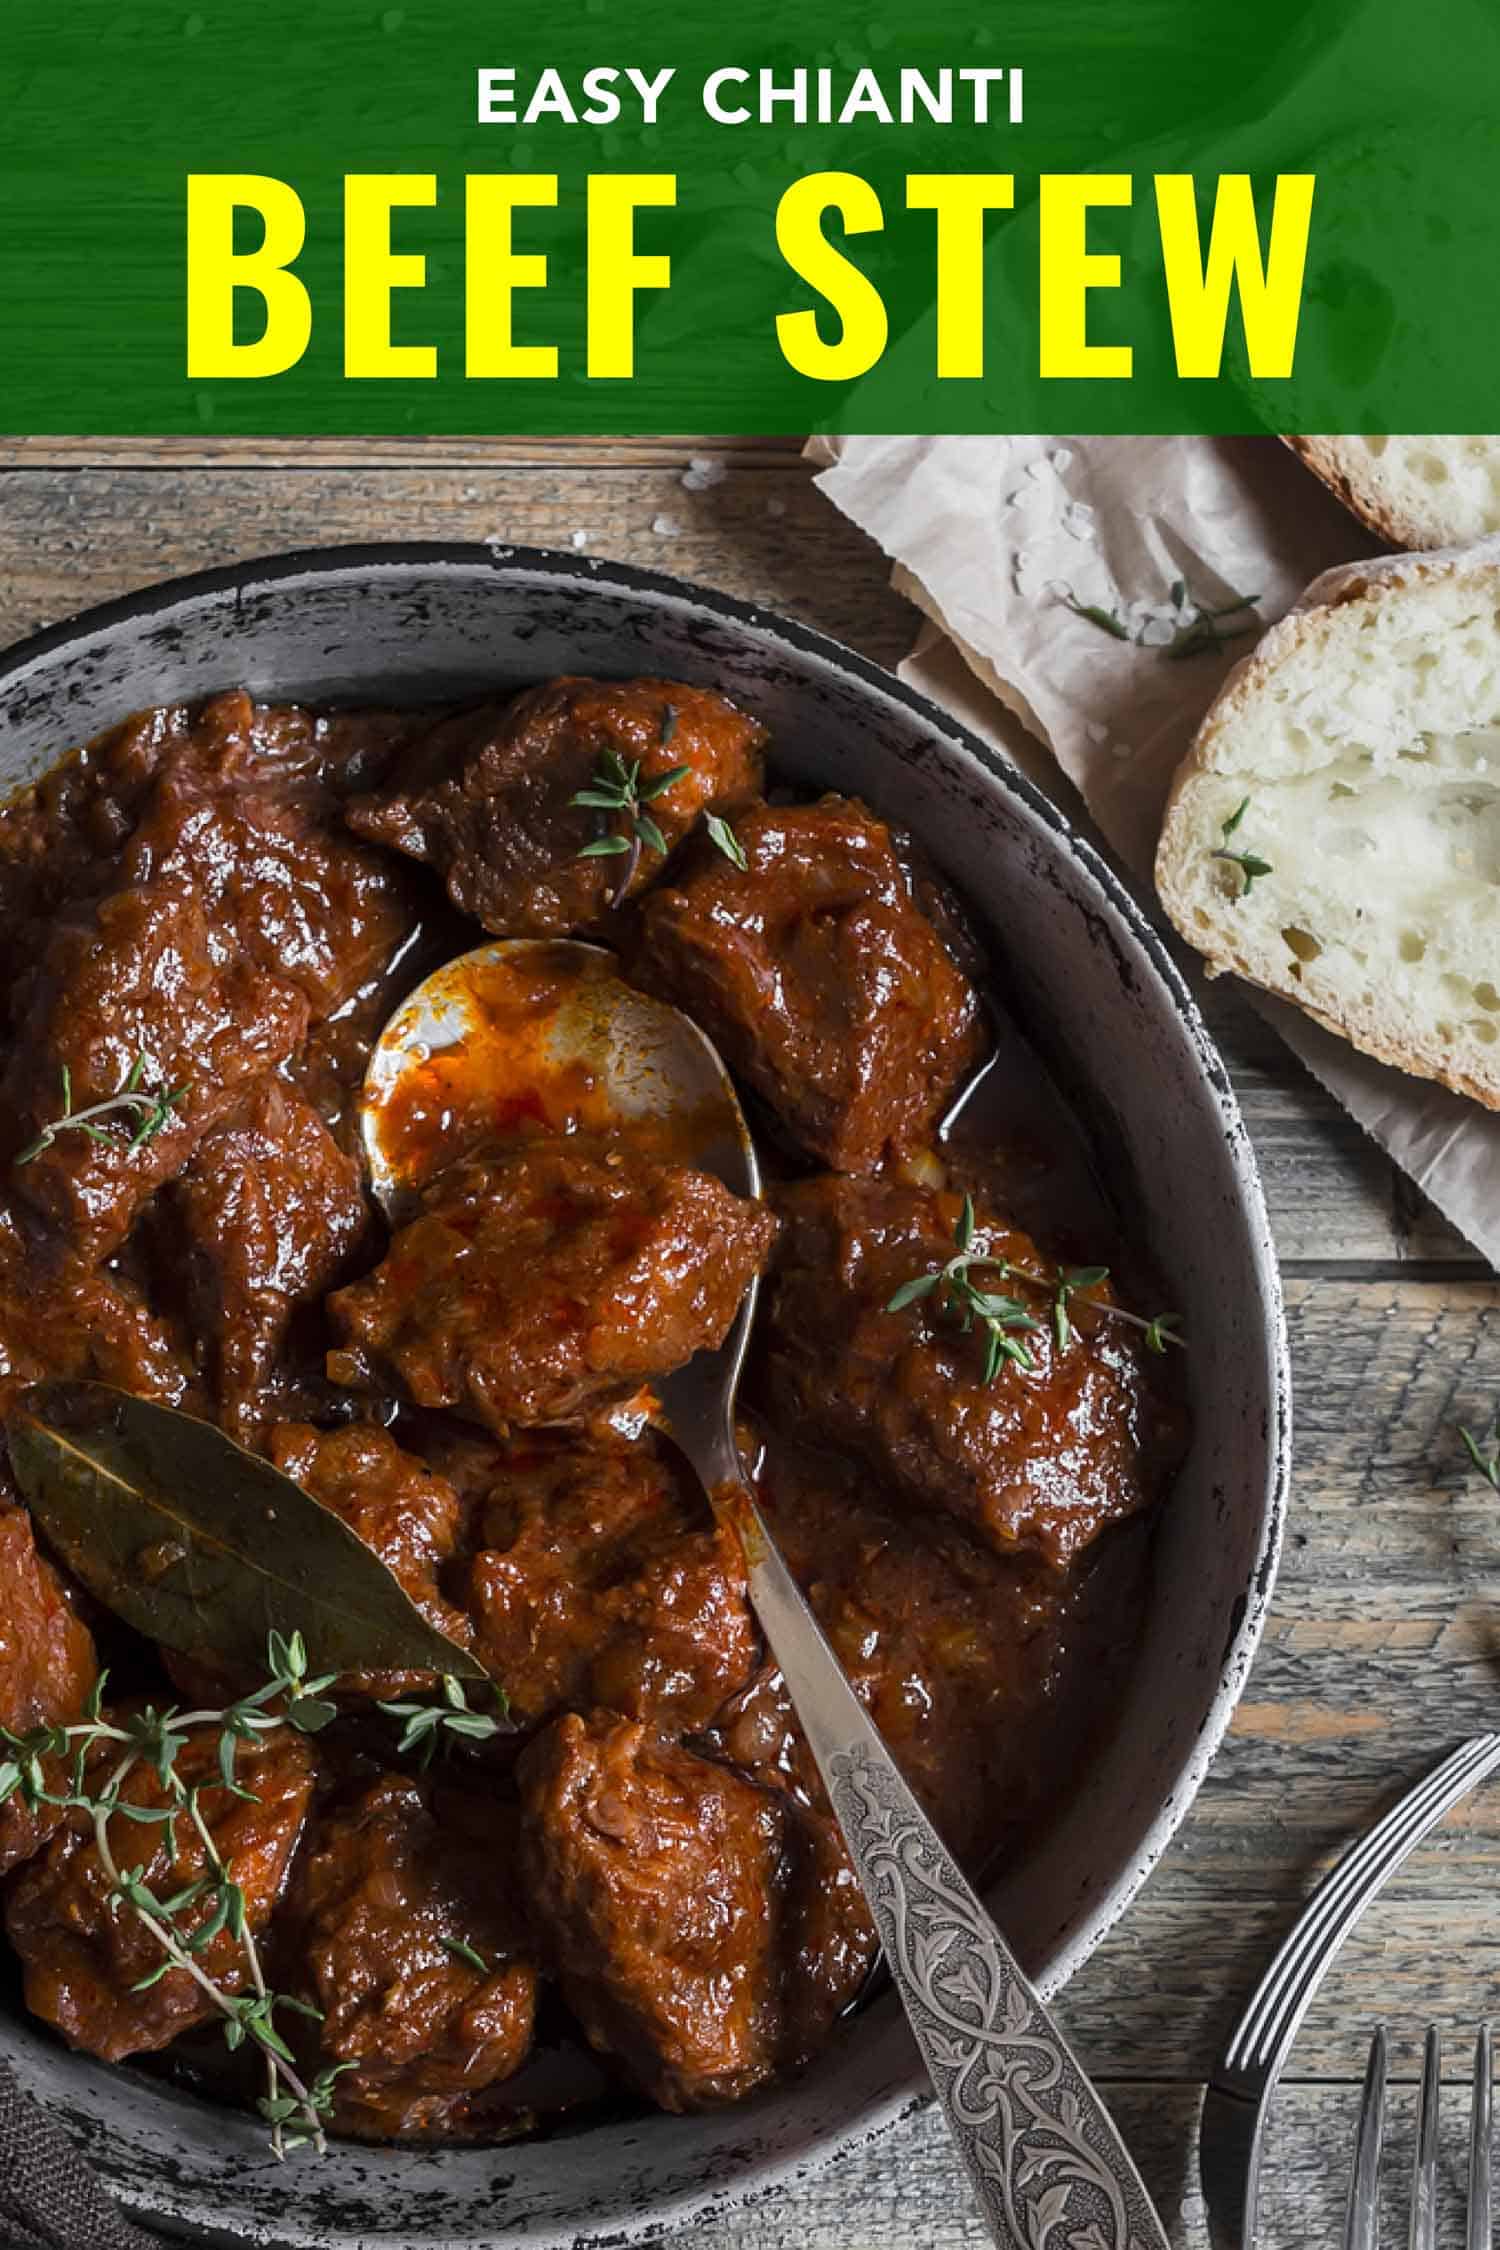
x=683 y=1906
x=141 y=976
x=323 y=757
x=341 y=753
x=82 y=1322
x=599 y=1577
x=1041 y=1458
x=82 y=1952
x=414 y=1949
x=270 y=1210
x=548 y=1277
x=820 y=977
x=234 y=916
x=410 y=1515
x=957 y=1653
x=654 y=1876
x=831 y=1930
x=829 y=1941
x=329 y=1069
x=490 y=803
x=47 y=1670
x=58 y=835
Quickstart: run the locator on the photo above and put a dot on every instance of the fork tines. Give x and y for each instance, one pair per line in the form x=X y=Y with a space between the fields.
x=1362 y=2223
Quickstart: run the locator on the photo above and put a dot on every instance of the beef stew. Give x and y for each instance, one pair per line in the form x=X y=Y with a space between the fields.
x=211 y=911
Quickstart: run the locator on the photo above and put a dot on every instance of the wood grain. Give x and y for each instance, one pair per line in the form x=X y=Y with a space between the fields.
x=1383 y=1646
x=71 y=538
x=428 y=453
x=902 y=2196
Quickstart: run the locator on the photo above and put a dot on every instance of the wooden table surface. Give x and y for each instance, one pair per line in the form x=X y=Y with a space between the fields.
x=1382 y=1645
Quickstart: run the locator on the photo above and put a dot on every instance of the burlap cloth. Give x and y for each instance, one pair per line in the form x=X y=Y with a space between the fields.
x=49 y=2197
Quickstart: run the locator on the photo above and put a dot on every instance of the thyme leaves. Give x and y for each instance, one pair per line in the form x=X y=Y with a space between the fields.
x=1005 y=1319
x=1250 y=864
x=131 y=1112
x=56 y=1765
x=617 y=789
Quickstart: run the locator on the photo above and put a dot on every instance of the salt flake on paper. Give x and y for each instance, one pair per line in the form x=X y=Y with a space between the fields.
x=702 y=473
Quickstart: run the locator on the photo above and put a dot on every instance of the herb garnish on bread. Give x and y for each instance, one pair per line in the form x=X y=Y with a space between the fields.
x=1356 y=755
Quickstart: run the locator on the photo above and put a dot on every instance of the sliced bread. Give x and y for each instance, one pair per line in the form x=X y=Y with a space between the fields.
x=1333 y=833
x=1413 y=491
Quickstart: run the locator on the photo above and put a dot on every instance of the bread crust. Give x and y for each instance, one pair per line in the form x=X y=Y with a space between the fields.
x=1323 y=456
x=1329 y=460
x=1308 y=625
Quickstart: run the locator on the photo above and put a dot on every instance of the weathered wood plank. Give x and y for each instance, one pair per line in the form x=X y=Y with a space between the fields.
x=1381 y=1651
x=908 y=2189
x=428 y=453
x=69 y=540
x=1332 y=1193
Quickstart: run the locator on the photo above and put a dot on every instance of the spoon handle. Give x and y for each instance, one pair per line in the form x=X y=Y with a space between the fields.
x=1042 y=2151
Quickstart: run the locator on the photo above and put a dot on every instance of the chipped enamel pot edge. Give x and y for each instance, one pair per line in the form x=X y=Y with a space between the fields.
x=1098 y=991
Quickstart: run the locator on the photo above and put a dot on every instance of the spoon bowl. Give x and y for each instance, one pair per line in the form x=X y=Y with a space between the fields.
x=543 y=1034
x=529 y=1034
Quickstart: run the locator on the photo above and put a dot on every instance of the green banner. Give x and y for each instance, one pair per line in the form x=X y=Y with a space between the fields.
x=344 y=217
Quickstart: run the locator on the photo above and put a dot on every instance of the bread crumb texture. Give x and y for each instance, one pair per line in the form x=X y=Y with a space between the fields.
x=1413 y=491
x=1365 y=733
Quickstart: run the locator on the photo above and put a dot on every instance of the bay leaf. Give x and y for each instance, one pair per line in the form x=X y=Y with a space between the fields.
x=205 y=1547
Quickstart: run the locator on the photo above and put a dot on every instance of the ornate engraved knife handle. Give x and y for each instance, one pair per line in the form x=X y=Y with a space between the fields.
x=1047 y=2163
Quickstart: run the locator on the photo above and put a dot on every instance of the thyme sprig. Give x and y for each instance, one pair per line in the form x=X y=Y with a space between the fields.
x=724 y=839
x=1202 y=626
x=106 y=1120
x=1250 y=865
x=617 y=789
x=1006 y=1319
x=1199 y=625
x=426 y=1724
x=1094 y=613
x=294 y=2109
x=462 y=1950
x=1488 y=1464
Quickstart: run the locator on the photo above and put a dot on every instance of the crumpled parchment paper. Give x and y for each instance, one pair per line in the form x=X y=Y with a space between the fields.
x=996 y=537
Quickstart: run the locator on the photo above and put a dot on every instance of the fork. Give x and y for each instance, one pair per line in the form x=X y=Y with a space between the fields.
x=1232 y=2128
x=1362 y=2222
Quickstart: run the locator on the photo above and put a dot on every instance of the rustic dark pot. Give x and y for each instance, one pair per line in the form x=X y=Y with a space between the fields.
x=1098 y=994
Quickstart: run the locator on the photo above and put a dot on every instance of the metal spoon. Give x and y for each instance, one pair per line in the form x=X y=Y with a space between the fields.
x=550 y=1030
